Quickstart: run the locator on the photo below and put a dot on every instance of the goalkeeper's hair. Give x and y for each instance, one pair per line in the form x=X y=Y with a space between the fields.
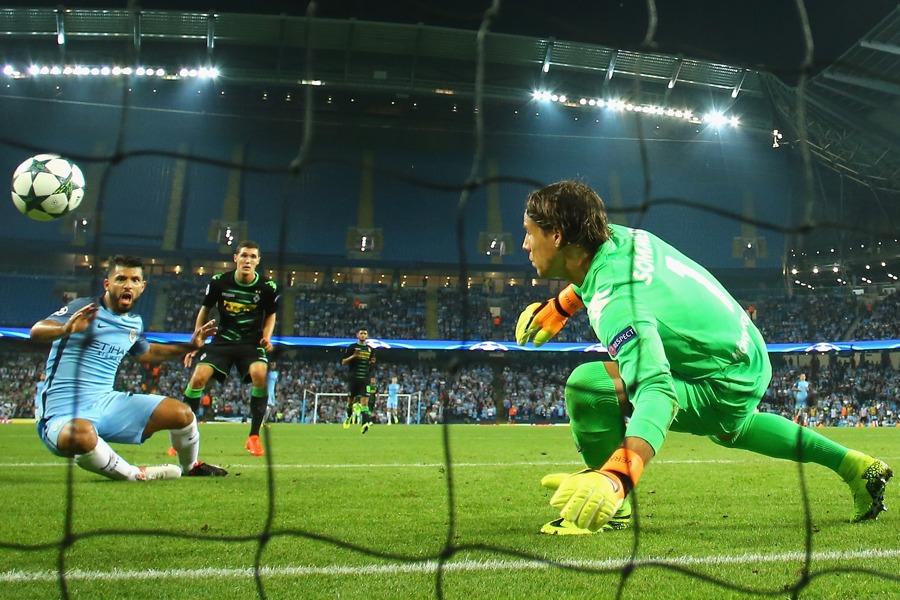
x=574 y=209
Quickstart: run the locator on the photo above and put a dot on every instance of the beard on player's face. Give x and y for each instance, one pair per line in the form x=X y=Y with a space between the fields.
x=118 y=305
x=122 y=300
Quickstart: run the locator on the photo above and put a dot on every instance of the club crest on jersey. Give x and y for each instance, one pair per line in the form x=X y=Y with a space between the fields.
x=621 y=338
x=255 y=298
x=132 y=335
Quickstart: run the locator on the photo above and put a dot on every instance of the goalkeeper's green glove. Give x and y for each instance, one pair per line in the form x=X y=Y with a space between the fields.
x=590 y=498
x=544 y=320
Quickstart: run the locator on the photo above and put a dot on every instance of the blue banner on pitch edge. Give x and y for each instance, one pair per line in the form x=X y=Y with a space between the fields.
x=498 y=345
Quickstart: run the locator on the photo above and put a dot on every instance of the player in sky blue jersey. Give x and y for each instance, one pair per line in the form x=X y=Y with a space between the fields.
x=801 y=394
x=271 y=386
x=78 y=411
x=393 y=391
x=685 y=357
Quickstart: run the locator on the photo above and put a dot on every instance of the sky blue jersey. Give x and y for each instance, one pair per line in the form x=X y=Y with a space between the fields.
x=86 y=362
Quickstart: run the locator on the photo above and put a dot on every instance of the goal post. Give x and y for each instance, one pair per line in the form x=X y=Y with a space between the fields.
x=406 y=408
x=334 y=406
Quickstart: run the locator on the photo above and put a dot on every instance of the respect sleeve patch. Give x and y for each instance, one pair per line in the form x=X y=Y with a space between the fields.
x=621 y=338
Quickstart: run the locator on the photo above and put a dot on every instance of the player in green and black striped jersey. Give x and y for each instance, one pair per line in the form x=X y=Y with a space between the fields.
x=360 y=357
x=246 y=302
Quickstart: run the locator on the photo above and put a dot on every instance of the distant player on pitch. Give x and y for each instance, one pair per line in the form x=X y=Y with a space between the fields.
x=801 y=395
x=686 y=357
x=393 y=391
x=360 y=358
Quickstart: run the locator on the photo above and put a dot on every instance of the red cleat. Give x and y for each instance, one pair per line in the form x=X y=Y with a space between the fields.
x=254 y=446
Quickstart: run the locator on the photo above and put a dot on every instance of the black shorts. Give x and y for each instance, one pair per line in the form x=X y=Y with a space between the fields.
x=357 y=388
x=221 y=357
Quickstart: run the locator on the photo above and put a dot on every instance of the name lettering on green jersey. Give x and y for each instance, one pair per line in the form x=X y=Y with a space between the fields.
x=643 y=257
x=683 y=270
x=743 y=345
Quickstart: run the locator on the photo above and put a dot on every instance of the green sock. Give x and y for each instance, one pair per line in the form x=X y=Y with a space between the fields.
x=775 y=436
x=595 y=416
x=259 y=397
x=192 y=398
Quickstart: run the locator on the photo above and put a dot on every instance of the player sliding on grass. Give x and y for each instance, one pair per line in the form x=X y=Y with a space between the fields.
x=78 y=411
x=686 y=358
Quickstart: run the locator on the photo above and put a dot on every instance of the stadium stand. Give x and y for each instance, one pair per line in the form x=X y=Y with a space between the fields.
x=855 y=392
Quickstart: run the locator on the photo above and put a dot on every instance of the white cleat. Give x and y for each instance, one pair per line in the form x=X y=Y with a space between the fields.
x=159 y=472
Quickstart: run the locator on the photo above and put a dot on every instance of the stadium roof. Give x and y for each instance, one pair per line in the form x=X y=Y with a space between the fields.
x=850 y=109
x=848 y=115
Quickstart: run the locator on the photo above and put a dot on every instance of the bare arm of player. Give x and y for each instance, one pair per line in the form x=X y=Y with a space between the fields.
x=268 y=331
x=349 y=358
x=163 y=352
x=50 y=331
x=202 y=317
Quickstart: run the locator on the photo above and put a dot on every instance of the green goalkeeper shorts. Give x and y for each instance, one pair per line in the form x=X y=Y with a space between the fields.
x=719 y=404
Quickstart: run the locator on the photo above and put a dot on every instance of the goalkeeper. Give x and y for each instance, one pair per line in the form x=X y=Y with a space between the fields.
x=686 y=357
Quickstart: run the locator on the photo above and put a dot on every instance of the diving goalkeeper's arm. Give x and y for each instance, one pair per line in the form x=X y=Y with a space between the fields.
x=591 y=497
x=545 y=320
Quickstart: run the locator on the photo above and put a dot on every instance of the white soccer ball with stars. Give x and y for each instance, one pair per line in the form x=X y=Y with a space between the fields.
x=47 y=186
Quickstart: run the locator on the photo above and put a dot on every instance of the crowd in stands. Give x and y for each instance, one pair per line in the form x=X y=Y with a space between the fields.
x=845 y=392
x=19 y=376
x=391 y=312
x=880 y=320
x=489 y=313
x=336 y=312
x=185 y=294
x=829 y=316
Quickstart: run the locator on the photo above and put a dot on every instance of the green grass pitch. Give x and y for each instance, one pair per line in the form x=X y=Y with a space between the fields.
x=397 y=513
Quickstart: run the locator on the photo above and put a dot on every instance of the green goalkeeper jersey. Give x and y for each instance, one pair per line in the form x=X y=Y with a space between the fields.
x=661 y=315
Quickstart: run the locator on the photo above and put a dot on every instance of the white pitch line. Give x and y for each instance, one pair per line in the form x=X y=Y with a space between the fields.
x=573 y=466
x=263 y=464
x=477 y=465
x=431 y=566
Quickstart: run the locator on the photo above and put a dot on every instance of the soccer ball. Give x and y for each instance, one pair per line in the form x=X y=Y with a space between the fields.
x=47 y=186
